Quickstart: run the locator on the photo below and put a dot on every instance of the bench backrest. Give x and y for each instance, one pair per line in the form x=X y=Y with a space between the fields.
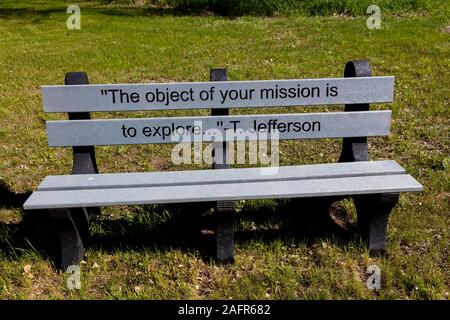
x=79 y=98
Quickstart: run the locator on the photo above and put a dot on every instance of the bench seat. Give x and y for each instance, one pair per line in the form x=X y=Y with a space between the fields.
x=333 y=179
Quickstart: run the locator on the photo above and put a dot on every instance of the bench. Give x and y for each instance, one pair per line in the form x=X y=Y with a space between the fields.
x=71 y=199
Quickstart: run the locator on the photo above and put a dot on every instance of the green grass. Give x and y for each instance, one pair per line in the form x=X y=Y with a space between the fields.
x=153 y=252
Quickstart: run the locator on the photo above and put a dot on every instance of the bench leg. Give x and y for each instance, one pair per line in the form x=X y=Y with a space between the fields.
x=373 y=215
x=80 y=217
x=225 y=232
x=70 y=249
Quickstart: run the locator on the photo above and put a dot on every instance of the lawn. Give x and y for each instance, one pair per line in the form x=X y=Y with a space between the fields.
x=284 y=249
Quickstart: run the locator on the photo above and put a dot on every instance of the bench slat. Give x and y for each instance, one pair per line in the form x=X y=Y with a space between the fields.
x=219 y=192
x=98 y=97
x=191 y=129
x=239 y=175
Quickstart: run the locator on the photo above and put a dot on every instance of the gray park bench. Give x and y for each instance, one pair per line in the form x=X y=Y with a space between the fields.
x=71 y=199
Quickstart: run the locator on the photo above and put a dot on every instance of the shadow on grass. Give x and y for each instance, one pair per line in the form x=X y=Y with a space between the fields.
x=185 y=227
x=32 y=14
x=9 y=199
x=14 y=237
x=150 y=11
x=36 y=14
